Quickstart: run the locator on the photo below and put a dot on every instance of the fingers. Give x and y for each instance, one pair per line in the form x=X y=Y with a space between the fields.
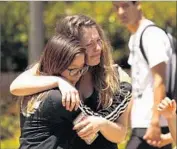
x=174 y=104
x=161 y=107
x=145 y=137
x=166 y=103
x=86 y=131
x=152 y=134
x=77 y=101
x=71 y=100
x=81 y=124
x=149 y=142
x=67 y=101
x=63 y=99
x=90 y=138
x=154 y=143
x=159 y=144
x=70 y=95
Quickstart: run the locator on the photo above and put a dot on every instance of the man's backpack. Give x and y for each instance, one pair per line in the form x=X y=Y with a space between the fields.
x=171 y=82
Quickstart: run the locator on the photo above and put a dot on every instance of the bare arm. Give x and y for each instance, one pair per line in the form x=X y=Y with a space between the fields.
x=29 y=83
x=172 y=127
x=116 y=132
x=167 y=108
x=112 y=131
x=165 y=140
x=158 y=72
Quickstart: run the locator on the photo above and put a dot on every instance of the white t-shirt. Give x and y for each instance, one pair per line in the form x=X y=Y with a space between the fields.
x=157 y=48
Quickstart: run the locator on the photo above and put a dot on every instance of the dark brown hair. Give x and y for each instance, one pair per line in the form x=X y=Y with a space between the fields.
x=58 y=54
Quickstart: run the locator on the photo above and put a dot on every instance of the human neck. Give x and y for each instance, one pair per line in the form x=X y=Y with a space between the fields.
x=134 y=27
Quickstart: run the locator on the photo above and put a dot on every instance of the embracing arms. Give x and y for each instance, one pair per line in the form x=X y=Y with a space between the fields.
x=30 y=83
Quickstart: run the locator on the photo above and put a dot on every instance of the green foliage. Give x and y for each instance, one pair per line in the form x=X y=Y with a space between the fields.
x=14 y=32
x=160 y=12
x=15 y=25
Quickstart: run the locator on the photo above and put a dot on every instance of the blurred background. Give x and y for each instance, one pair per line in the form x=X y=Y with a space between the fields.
x=25 y=28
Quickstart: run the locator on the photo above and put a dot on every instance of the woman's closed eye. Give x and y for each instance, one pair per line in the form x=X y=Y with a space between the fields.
x=94 y=43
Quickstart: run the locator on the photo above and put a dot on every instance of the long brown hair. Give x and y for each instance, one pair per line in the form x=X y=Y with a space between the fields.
x=58 y=54
x=105 y=76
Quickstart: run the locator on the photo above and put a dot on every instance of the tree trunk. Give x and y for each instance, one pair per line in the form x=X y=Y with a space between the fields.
x=36 y=35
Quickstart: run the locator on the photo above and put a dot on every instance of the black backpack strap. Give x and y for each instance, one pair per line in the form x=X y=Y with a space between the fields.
x=141 y=42
x=145 y=57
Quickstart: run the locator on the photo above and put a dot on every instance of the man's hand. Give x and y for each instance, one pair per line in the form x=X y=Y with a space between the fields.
x=165 y=140
x=153 y=134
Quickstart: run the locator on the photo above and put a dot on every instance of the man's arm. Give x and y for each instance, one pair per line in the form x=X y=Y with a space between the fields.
x=158 y=73
x=157 y=48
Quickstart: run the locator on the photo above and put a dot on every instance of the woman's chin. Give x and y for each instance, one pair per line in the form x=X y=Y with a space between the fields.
x=74 y=82
x=93 y=62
